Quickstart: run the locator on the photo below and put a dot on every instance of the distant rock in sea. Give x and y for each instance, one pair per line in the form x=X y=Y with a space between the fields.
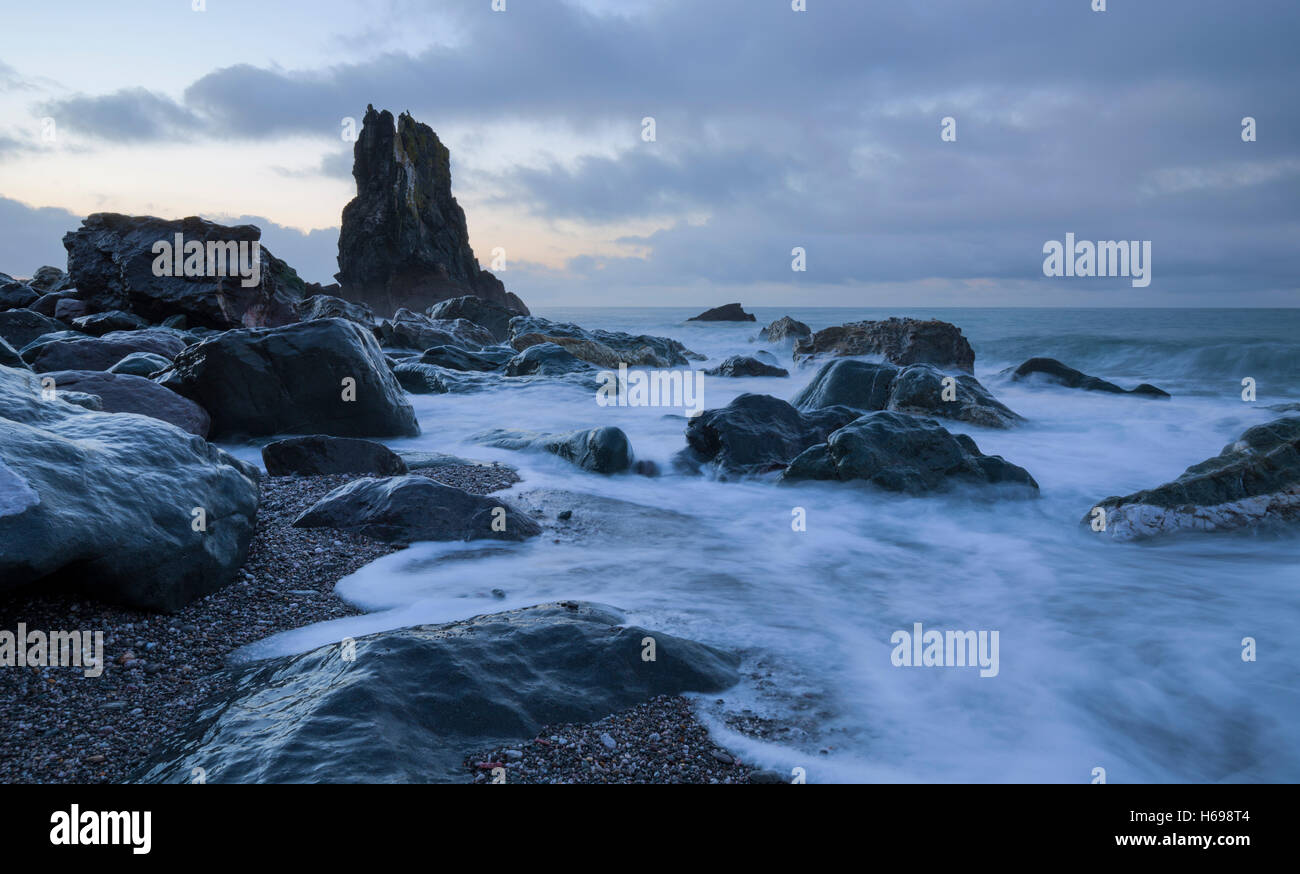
x=1051 y=370
x=731 y=312
x=785 y=328
x=404 y=242
x=899 y=341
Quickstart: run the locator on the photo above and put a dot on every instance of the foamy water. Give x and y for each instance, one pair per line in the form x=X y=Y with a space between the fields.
x=1125 y=657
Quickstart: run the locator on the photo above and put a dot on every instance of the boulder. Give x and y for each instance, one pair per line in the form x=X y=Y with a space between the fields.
x=404 y=509
x=124 y=393
x=632 y=349
x=15 y=294
x=545 y=359
x=599 y=450
x=321 y=454
x=9 y=356
x=731 y=312
x=99 y=324
x=321 y=377
x=20 y=327
x=903 y=453
x=745 y=365
x=919 y=389
x=785 y=328
x=111 y=260
x=47 y=279
x=106 y=503
x=324 y=306
x=456 y=358
x=1052 y=371
x=141 y=364
x=404 y=242
x=494 y=317
x=1253 y=483
x=432 y=693
x=588 y=350
x=755 y=434
x=899 y=341
x=408 y=330
x=100 y=353
x=70 y=310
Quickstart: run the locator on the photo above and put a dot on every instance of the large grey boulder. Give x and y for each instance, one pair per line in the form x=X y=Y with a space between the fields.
x=1254 y=482
x=599 y=450
x=785 y=328
x=124 y=393
x=111 y=261
x=125 y=508
x=432 y=693
x=495 y=317
x=898 y=341
x=632 y=349
x=99 y=353
x=322 y=377
x=404 y=509
x=321 y=454
x=19 y=327
x=903 y=453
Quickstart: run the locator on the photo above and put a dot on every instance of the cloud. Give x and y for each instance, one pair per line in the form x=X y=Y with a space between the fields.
x=128 y=115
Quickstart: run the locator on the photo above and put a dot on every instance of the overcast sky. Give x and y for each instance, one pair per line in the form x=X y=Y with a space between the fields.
x=774 y=129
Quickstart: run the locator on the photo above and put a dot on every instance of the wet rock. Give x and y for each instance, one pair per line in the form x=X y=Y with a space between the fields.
x=321 y=454
x=546 y=359
x=495 y=317
x=599 y=450
x=456 y=358
x=9 y=356
x=100 y=353
x=48 y=279
x=141 y=364
x=903 y=453
x=15 y=294
x=632 y=349
x=785 y=328
x=404 y=509
x=19 y=327
x=324 y=377
x=124 y=393
x=731 y=312
x=745 y=365
x=899 y=341
x=99 y=324
x=756 y=434
x=1052 y=371
x=408 y=330
x=325 y=306
x=1253 y=483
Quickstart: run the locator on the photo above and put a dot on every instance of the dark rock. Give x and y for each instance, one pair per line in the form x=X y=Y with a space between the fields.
x=104 y=502
x=545 y=359
x=494 y=317
x=1254 y=482
x=456 y=358
x=178 y=323
x=20 y=327
x=744 y=365
x=47 y=279
x=82 y=399
x=900 y=341
x=49 y=302
x=123 y=393
x=730 y=312
x=785 y=328
x=111 y=261
x=600 y=450
x=100 y=324
x=431 y=693
x=324 y=306
x=1053 y=371
x=903 y=453
x=423 y=379
x=15 y=294
x=9 y=356
x=70 y=310
x=141 y=364
x=321 y=377
x=756 y=434
x=404 y=509
x=408 y=330
x=631 y=349
x=100 y=353
x=404 y=242
x=862 y=385
x=320 y=454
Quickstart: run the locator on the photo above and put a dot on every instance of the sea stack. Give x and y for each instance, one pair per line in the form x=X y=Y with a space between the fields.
x=404 y=242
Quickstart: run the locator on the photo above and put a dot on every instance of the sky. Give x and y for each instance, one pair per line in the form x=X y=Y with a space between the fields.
x=774 y=129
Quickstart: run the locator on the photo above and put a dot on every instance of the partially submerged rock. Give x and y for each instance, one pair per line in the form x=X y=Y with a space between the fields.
x=903 y=453
x=899 y=341
x=404 y=509
x=600 y=450
x=432 y=693
x=730 y=312
x=1253 y=482
x=785 y=328
x=493 y=316
x=630 y=348
x=125 y=508
x=1053 y=371
x=546 y=359
x=319 y=454
x=746 y=365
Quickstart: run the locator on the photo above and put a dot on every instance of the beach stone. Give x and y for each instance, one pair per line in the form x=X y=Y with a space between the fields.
x=18 y=327
x=433 y=692
x=294 y=379
x=124 y=393
x=99 y=353
x=141 y=364
x=904 y=453
x=1254 y=482
x=404 y=509
x=321 y=454
x=15 y=294
x=103 y=503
